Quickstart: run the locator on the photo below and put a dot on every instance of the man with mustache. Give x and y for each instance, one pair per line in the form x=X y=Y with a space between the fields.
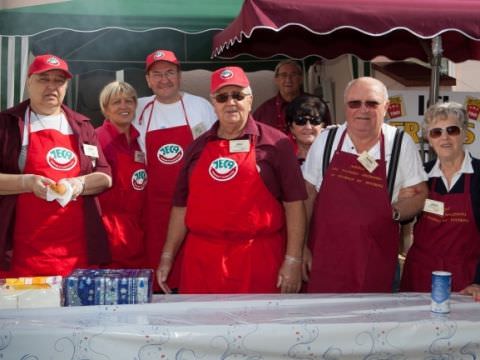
x=44 y=143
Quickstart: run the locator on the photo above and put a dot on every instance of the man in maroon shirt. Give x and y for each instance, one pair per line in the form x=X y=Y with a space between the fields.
x=289 y=81
x=238 y=203
x=44 y=143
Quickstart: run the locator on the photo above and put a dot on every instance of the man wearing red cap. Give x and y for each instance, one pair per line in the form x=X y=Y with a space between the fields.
x=168 y=122
x=238 y=203
x=50 y=166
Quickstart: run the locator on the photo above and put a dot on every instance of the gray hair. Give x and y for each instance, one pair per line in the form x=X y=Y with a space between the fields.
x=372 y=80
x=442 y=111
x=288 y=62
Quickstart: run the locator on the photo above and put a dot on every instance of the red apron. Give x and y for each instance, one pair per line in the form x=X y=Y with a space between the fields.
x=122 y=209
x=49 y=239
x=165 y=158
x=236 y=239
x=353 y=238
x=450 y=242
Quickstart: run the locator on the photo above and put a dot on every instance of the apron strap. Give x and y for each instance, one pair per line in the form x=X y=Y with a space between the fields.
x=392 y=170
x=328 y=149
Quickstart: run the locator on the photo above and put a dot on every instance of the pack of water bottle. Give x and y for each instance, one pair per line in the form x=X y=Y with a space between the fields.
x=108 y=287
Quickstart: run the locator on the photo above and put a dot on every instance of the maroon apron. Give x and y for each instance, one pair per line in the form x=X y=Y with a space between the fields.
x=165 y=157
x=236 y=239
x=353 y=238
x=49 y=239
x=450 y=242
x=122 y=209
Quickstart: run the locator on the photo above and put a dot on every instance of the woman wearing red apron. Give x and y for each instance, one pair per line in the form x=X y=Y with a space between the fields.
x=168 y=123
x=123 y=204
x=446 y=235
x=50 y=144
x=241 y=238
x=354 y=237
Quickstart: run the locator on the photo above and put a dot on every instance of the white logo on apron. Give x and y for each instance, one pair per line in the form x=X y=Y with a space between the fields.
x=139 y=179
x=61 y=159
x=223 y=169
x=170 y=154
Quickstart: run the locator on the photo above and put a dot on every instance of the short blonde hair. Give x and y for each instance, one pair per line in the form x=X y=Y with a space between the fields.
x=114 y=89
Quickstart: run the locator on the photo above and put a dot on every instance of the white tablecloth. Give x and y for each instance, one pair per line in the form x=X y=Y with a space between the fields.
x=374 y=326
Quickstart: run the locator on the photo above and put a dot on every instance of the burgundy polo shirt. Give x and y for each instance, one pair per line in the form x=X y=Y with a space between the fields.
x=275 y=156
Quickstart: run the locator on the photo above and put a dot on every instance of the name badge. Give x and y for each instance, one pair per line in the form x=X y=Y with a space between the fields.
x=90 y=150
x=198 y=130
x=367 y=161
x=238 y=146
x=139 y=157
x=434 y=207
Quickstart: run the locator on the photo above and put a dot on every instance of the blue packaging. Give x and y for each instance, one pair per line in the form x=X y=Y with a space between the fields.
x=441 y=289
x=108 y=287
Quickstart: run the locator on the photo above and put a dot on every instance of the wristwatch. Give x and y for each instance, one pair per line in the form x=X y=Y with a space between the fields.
x=395 y=215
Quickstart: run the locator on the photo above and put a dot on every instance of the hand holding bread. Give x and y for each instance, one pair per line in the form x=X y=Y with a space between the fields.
x=59 y=188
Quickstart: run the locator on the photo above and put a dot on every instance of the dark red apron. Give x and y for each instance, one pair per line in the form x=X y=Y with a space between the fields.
x=165 y=158
x=49 y=239
x=450 y=242
x=353 y=238
x=122 y=209
x=236 y=239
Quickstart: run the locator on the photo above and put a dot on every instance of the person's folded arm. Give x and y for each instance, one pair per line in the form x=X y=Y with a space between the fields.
x=410 y=206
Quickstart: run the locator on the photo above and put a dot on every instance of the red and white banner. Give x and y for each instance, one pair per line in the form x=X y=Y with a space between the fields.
x=407 y=109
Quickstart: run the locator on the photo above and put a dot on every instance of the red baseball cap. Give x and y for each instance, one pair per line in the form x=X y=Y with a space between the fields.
x=161 y=55
x=230 y=75
x=48 y=62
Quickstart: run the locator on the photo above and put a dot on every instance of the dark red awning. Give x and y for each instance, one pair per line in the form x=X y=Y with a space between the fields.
x=398 y=29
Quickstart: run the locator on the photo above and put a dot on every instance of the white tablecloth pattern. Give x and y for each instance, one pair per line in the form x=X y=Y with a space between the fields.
x=253 y=327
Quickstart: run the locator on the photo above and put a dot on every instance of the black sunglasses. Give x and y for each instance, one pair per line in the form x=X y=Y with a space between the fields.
x=223 y=97
x=302 y=120
x=357 y=104
x=453 y=130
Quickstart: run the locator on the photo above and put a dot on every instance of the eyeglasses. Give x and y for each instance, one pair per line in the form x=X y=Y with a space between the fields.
x=236 y=95
x=288 y=75
x=453 y=130
x=302 y=120
x=357 y=104
x=170 y=74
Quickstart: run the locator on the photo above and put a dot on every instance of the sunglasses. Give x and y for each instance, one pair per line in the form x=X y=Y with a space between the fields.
x=223 y=97
x=453 y=130
x=357 y=104
x=302 y=120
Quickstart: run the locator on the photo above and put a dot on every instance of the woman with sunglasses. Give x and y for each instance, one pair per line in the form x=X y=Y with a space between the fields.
x=447 y=233
x=240 y=196
x=306 y=116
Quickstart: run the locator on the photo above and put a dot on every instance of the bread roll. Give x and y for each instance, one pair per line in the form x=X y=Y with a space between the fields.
x=58 y=188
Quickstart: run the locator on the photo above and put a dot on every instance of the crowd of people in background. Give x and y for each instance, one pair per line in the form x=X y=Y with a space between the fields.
x=216 y=198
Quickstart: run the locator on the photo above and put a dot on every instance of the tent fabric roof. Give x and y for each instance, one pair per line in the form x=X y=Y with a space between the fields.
x=189 y=16
x=118 y=34
x=397 y=29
